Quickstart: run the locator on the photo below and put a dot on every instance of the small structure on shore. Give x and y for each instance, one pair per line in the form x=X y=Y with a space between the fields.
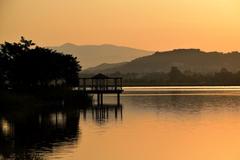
x=101 y=84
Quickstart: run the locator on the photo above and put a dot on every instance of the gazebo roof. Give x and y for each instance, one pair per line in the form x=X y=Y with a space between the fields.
x=100 y=76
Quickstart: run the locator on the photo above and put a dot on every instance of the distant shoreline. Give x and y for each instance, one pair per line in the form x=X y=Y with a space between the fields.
x=182 y=86
x=237 y=85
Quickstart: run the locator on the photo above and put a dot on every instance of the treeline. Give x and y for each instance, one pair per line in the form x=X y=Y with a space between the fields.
x=178 y=77
x=24 y=65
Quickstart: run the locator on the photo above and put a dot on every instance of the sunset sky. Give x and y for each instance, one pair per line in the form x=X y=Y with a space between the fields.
x=146 y=24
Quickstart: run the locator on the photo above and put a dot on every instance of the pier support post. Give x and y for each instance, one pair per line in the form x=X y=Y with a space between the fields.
x=98 y=99
x=118 y=99
x=84 y=114
x=101 y=99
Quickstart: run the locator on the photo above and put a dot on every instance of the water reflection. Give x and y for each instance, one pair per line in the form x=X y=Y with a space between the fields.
x=101 y=114
x=32 y=136
x=6 y=127
x=183 y=104
x=149 y=126
x=21 y=135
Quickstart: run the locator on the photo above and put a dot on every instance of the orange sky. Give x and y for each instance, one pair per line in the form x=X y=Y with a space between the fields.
x=147 y=24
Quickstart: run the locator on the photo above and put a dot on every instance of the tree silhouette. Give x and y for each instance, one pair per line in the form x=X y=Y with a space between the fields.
x=25 y=65
x=175 y=75
x=223 y=76
x=3 y=62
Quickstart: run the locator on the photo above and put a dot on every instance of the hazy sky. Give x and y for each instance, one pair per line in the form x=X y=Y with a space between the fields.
x=146 y=24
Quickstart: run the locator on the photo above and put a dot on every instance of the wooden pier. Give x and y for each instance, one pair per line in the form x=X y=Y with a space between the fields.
x=101 y=84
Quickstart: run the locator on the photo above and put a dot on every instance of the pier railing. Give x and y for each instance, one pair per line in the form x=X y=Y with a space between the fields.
x=106 y=85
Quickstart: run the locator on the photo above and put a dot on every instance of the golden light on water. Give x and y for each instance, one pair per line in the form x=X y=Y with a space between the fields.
x=149 y=126
x=6 y=127
x=58 y=119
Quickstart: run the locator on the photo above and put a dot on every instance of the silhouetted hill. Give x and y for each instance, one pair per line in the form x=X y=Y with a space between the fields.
x=93 y=55
x=194 y=60
x=103 y=67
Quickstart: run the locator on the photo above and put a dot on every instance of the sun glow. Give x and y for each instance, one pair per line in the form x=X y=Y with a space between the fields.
x=153 y=24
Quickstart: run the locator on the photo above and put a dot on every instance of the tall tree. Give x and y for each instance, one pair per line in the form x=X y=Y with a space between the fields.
x=30 y=66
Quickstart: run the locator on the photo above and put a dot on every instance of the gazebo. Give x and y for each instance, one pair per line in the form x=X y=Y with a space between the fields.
x=101 y=84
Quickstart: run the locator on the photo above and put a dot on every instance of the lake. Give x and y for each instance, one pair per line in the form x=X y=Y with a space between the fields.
x=168 y=123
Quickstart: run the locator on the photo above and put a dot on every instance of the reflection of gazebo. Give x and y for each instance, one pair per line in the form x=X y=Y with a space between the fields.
x=101 y=84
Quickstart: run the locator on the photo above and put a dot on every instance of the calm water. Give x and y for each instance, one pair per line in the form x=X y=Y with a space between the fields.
x=168 y=123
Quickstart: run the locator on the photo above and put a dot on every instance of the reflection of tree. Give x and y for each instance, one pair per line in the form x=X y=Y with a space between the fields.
x=23 y=136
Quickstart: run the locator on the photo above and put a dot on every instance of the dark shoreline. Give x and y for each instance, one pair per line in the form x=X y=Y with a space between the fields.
x=43 y=99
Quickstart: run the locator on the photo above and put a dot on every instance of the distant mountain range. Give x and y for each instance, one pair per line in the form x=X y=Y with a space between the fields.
x=93 y=55
x=193 y=60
